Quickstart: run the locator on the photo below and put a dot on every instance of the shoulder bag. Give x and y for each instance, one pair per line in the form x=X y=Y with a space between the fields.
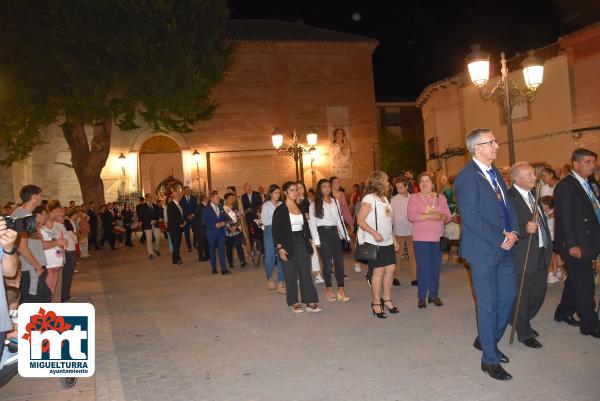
x=366 y=252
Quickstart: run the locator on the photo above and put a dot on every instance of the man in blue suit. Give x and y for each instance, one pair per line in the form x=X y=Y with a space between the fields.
x=214 y=218
x=188 y=204
x=489 y=231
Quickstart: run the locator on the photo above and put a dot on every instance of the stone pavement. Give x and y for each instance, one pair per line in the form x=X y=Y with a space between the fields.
x=169 y=333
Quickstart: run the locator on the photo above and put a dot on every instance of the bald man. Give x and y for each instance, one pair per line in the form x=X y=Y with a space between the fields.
x=522 y=196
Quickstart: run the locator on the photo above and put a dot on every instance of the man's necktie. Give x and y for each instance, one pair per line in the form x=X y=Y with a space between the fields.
x=542 y=229
x=593 y=199
x=500 y=197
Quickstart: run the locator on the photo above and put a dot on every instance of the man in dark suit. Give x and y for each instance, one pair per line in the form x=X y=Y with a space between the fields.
x=522 y=196
x=109 y=220
x=175 y=225
x=200 y=230
x=577 y=238
x=251 y=202
x=214 y=218
x=489 y=231
x=188 y=204
x=150 y=215
x=93 y=222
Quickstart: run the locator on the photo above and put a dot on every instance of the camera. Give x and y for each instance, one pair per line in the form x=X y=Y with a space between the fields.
x=21 y=225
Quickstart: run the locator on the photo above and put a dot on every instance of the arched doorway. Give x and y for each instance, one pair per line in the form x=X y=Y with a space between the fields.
x=160 y=157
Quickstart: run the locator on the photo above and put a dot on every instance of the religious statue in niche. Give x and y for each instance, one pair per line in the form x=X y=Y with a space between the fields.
x=168 y=186
x=340 y=154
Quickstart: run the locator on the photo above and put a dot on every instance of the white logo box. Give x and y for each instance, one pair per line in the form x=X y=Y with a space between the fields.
x=57 y=361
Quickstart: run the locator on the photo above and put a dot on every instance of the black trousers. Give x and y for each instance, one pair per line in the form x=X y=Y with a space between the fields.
x=67 y=275
x=297 y=268
x=128 y=237
x=202 y=243
x=93 y=238
x=109 y=236
x=234 y=242
x=578 y=293
x=331 y=251
x=534 y=292
x=176 y=243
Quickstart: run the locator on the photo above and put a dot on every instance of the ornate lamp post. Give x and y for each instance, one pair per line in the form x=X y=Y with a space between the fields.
x=505 y=92
x=295 y=149
x=196 y=159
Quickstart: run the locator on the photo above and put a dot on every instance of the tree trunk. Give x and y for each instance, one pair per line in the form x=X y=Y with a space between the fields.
x=88 y=161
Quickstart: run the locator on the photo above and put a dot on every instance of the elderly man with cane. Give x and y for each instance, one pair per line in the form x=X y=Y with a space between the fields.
x=533 y=255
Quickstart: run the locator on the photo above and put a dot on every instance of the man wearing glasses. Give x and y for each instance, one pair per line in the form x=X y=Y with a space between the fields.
x=489 y=231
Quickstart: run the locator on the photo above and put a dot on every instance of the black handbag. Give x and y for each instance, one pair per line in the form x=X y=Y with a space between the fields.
x=366 y=252
x=346 y=246
x=444 y=244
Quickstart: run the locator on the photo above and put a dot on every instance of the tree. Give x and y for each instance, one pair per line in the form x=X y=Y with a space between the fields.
x=399 y=154
x=105 y=63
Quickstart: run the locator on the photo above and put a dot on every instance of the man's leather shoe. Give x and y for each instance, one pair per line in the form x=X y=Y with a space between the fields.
x=396 y=282
x=594 y=333
x=226 y=272
x=532 y=343
x=535 y=333
x=570 y=320
x=496 y=371
x=477 y=345
x=214 y=272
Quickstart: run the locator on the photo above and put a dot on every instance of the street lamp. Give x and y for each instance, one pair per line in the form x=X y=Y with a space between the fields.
x=196 y=159
x=122 y=162
x=505 y=92
x=295 y=149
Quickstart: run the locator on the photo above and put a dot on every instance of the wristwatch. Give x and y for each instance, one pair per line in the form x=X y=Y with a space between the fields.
x=11 y=252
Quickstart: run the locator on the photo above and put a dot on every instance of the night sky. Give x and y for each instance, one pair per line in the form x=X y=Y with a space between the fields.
x=424 y=41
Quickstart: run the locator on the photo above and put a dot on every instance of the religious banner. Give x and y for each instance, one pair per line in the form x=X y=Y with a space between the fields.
x=340 y=152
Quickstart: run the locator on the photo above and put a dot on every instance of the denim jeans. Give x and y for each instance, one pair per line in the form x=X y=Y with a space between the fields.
x=271 y=255
x=429 y=259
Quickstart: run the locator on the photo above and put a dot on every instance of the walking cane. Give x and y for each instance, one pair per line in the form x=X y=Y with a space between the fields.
x=518 y=305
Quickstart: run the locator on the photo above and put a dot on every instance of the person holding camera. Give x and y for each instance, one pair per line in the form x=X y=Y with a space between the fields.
x=10 y=264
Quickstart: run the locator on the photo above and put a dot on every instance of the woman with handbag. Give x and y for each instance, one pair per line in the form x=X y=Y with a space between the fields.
x=377 y=244
x=428 y=211
x=291 y=235
x=327 y=229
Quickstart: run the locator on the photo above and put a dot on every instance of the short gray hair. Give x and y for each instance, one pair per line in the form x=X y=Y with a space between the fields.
x=473 y=138
x=516 y=168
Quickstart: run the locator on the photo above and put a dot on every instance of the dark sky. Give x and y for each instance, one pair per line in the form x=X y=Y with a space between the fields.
x=425 y=41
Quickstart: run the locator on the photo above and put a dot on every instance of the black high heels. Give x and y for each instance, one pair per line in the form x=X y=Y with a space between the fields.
x=380 y=315
x=393 y=309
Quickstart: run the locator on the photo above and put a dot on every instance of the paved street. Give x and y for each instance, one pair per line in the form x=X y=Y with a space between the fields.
x=168 y=333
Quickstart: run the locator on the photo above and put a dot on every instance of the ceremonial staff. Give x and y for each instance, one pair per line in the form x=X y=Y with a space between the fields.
x=535 y=219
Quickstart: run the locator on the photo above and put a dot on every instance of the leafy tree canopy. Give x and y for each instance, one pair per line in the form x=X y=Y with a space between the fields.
x=399 y=154
x=86 y=61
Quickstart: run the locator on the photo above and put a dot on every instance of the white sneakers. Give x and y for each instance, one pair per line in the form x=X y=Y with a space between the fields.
x=357 y=268
x=319 y=279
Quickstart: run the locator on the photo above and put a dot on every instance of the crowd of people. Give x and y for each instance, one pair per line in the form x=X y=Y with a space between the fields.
x=496 y=217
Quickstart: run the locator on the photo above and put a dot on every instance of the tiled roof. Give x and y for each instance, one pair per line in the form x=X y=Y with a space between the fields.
x=434 y=87
x=282 y=31
x=543 y=53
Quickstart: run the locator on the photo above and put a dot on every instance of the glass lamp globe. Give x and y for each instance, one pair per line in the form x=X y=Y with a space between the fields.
x=277 y=139
x=533 y=71
x=478 y=63
x=311 y=138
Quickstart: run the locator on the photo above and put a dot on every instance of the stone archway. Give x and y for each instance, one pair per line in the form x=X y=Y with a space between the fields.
x=159 y=157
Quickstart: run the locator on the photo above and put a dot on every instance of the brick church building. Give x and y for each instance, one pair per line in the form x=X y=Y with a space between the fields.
x=285 y=75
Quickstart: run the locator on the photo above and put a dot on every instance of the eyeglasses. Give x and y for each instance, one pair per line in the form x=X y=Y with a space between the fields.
x=492 y=142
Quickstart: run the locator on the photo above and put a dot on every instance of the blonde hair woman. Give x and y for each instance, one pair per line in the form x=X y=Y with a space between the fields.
x=375 y=227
